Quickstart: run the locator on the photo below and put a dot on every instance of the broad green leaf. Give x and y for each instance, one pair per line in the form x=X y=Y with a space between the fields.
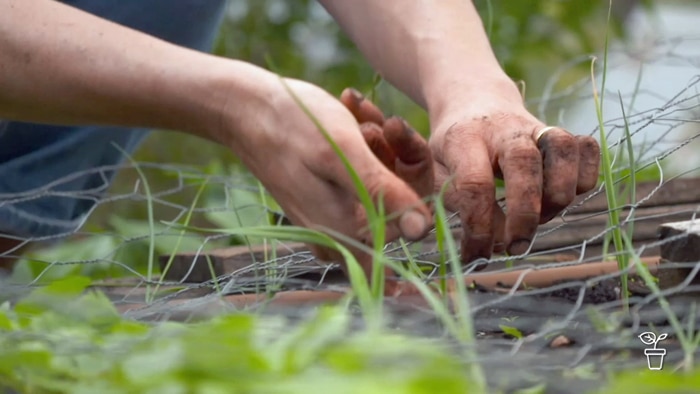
x=166 y=239
x=70 y=257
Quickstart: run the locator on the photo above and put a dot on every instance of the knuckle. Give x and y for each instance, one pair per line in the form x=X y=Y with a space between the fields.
x=375 y=183
x=457 y=134
x=523 y=158
x=476 y=195
x=560 y=145
x=476 y=184
x=368 y=112
x=588 y=143
x=370 y=130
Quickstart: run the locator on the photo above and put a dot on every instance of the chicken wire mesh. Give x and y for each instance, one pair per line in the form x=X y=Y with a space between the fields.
x=572 y=324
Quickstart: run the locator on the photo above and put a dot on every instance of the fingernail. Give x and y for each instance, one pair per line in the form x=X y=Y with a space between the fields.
x=519 y=247
x=412 y=225
x=356 y=94
x=407 y=129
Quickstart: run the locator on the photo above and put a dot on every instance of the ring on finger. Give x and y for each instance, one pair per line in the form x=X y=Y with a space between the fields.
x=542 y=132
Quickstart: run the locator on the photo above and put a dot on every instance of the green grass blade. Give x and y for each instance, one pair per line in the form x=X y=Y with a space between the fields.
x=687 y=343
x=463 y=310
x=151 y=221
x=188 y=218
x=606 y=163
x=632 y=181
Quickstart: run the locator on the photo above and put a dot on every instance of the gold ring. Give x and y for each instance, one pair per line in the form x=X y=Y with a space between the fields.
x=542 y=132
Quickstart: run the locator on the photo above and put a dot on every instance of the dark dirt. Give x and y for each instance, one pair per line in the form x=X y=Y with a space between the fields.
x=607 y=290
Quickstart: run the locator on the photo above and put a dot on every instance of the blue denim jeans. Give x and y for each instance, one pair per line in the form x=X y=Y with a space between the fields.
x=46 y=183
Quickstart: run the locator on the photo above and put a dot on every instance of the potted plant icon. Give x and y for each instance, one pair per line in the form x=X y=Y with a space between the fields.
x=655 y=357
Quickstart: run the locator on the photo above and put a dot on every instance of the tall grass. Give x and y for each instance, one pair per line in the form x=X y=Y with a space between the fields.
x=623 y=241
x=608 y=180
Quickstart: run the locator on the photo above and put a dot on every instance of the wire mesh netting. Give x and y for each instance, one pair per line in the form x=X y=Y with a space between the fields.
x=556 y=308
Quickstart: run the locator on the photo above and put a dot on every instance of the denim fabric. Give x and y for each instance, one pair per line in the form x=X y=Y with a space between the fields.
x=46 y=183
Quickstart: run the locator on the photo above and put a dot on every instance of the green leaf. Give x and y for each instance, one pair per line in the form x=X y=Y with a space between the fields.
x=166 y=239
x=146 y=366
x=71 y=286
x=78 y=251
x=652 y=382
x=512 y=331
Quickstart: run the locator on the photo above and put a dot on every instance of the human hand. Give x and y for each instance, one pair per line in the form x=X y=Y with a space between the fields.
x=497 y=138
x=394 y=142
x=281 y=145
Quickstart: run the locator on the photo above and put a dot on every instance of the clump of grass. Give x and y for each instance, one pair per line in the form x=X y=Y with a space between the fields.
x=624 y=249
x=608 y=180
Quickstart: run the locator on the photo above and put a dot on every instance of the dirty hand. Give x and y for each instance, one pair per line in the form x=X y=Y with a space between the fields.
x=474 y=142
x=291 y=157
x=394 y=142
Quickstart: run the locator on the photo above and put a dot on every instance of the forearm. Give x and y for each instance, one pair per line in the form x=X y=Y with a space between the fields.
x=61 y=65
x=434 y=51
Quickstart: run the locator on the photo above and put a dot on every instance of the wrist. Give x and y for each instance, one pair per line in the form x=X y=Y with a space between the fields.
x=465 y=95
x=222 y=101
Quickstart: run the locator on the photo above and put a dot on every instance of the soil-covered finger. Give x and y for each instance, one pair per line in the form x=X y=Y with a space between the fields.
x=414 y=162
x=589 y=163
x=362 y=109
x=374 y=137
x=473 y=192
x=410 y=147
x=521 y=164
x=499 y=229
x=325 y=254
x=560 y=159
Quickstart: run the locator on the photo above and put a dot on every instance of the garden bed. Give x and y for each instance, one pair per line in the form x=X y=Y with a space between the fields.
x=554 y=318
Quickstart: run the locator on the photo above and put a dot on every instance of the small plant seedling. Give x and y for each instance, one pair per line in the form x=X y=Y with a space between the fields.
x=512 y=331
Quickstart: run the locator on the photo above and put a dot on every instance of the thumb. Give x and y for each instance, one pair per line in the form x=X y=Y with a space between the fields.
x=408 y=212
